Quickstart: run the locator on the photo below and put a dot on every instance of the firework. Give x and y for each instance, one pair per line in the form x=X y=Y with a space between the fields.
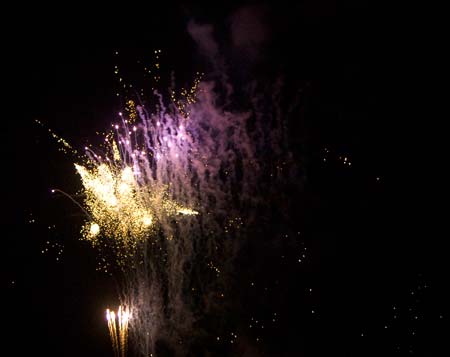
x=169 y=192
x=122 y=209
x=118 y=329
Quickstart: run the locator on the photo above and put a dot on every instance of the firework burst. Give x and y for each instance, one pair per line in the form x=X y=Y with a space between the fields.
x=122 y=210
x=170 y=190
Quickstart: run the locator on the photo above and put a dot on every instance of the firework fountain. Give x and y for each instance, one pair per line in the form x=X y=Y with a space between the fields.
x=118 y=329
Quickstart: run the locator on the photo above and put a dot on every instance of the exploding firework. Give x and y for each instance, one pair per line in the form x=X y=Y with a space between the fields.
x=170 y=192
x=121 y=209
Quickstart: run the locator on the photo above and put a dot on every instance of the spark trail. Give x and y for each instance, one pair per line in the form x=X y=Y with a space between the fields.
x=118 y=329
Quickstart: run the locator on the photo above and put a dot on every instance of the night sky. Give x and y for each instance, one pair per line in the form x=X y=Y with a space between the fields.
x=353 y=267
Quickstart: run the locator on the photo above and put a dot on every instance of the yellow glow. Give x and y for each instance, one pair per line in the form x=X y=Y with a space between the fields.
x=147 y=221
x=95 y=229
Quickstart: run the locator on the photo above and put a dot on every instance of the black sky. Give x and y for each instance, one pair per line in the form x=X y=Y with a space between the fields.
x=369 y=250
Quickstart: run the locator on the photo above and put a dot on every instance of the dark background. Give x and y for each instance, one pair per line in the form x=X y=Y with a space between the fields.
x=375 y=263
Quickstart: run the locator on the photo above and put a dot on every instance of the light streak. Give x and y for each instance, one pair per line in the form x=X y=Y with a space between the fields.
x=118 y=329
